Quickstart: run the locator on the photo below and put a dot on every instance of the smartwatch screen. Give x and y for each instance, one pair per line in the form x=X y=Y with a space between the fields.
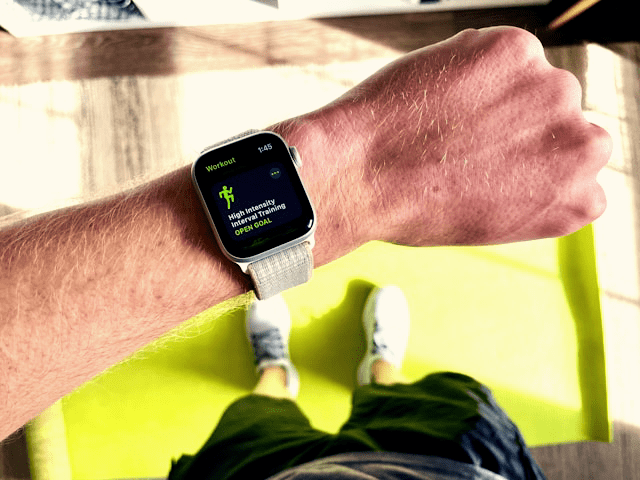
x=254 y=195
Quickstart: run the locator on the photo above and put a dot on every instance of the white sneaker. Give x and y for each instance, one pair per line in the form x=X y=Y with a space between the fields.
x=386 y=324
x=268 y=324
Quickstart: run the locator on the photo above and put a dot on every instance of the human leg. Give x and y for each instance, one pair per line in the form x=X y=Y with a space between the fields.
x=386 y=323
x=384 y=372
x=268 y=325
x=264 y=432
x=446 y=414
x=273 y=383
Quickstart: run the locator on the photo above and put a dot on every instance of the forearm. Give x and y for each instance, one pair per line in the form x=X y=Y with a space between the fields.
x=82 y=288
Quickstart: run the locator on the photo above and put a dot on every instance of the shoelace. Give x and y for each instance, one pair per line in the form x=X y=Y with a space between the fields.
x=268 y=345
x=379 y=347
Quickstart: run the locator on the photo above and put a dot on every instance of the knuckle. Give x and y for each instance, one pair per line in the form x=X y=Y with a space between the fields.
x=592 y=205
x=512 y=48
x=469 y=32
x=505 y=39
x=523 y=43
x=521 y=36
x=563 y=92
x=599 y=202
x=600 y=144
x=468 y=36
x=570 y=86
x=594 y=147
x=567 y=80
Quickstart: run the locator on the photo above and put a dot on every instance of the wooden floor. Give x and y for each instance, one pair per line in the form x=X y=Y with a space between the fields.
x=136 y=72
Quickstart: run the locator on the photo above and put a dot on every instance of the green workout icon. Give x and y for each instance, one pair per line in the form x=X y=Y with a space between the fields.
x=228 y=196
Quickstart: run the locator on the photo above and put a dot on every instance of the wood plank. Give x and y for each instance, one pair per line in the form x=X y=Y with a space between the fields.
x=162 y=51
x=629 y=440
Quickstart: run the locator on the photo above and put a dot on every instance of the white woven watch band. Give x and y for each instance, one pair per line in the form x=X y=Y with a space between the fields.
x=246 y=133
x=283 y=270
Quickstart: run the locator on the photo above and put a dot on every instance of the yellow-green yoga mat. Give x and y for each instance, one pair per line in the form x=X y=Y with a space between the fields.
x=523 y=318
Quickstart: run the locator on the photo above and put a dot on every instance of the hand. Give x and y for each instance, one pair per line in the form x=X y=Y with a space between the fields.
x=474 y=140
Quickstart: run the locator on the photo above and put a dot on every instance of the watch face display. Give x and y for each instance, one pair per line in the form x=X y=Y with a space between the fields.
x=254 y=195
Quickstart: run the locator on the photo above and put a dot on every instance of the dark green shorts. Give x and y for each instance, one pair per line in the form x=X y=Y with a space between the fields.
x=444 y=415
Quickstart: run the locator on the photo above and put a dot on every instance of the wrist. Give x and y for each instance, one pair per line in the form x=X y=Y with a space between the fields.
x=331 y=159
x=188 y=223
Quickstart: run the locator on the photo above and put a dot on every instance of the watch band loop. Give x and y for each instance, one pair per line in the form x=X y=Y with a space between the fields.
x=246 y=133
x=286 y=269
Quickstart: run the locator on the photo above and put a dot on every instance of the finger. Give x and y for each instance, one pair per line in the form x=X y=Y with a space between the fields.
x=589 y=204
x=601 y=145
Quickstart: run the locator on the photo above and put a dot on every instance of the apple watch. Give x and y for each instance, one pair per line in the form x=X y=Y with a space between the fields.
x=258 y=208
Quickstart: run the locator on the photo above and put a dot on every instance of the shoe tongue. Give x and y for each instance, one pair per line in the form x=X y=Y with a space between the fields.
x=268 y=345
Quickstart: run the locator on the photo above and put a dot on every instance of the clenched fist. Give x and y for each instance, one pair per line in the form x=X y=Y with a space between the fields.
x=474 y=140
